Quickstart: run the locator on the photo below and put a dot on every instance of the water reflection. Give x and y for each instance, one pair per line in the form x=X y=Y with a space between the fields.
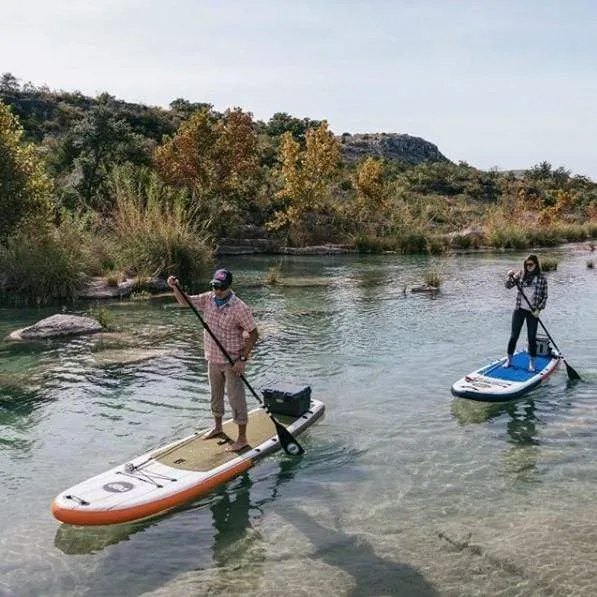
x=521 y=425
x=74 y=540
x=230 y=507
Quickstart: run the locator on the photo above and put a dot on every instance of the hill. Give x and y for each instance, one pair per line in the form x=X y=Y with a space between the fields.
x=44 y=114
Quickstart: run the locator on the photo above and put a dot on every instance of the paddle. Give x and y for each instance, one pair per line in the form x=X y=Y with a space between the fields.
x=572 y=374
x=287 y=441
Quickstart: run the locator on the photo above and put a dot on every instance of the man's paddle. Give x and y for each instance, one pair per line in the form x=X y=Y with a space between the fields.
x=287 y=441
x=572 y=374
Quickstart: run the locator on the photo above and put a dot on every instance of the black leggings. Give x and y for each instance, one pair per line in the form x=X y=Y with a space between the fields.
x=518 y=317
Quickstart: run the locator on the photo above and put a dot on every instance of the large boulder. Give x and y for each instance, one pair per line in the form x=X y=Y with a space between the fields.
x=58 y=326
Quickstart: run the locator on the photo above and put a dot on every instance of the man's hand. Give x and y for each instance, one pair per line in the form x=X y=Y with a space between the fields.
x=239 y=367
x=172 y=281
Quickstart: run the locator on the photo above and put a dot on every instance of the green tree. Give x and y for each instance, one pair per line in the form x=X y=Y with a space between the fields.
x=281 y=123
x=9 y=83
x=24 y=185
x=183 y=109
x=101 y=140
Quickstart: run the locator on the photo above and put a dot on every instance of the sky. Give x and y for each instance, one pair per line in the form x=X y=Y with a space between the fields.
x=502 y=84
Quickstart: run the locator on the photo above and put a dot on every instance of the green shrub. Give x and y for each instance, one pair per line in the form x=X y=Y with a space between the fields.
x=412 y=242
x=40 y=265
x=366 y=243
x=435 y=244
x=511 y=236
x=462 y=241
x=549 y=264
x=591 y=229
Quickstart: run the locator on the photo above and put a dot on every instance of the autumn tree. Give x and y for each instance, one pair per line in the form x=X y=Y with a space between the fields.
x=24 y=186
x=217 y=158
x=372 y=196
x=307 y=177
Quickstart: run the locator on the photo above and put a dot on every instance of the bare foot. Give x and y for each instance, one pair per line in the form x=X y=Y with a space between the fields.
x=237 y=446
x=215 y=432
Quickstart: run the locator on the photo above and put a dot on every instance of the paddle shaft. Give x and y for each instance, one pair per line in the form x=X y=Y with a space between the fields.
x=287 y=441
x=571 y=372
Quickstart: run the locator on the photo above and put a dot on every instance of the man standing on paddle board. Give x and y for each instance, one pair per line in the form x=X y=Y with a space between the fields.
x=232 y=322
x=533 y=284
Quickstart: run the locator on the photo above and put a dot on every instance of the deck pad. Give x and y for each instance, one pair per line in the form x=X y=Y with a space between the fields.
x=496 y=383
x=204 y=454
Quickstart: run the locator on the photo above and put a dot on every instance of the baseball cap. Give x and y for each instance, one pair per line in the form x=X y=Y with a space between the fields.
x=222 y=279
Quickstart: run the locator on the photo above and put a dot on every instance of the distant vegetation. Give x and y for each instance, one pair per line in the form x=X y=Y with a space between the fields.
x=97 y=186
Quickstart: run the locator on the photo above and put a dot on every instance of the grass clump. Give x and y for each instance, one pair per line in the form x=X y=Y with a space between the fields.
x=432 y=278
x=104 y=316
x=273 y=274
x=39 y=265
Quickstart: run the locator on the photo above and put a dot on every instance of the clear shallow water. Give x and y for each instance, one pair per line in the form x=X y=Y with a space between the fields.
x=403 y=490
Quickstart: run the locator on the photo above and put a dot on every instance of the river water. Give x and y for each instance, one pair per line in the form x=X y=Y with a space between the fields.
x=403 y=489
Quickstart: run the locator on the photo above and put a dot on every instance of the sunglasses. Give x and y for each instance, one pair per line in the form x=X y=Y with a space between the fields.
x=217 y=287
x=530 y=264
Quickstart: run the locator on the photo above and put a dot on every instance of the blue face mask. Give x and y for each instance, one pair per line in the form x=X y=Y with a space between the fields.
x=223 y=300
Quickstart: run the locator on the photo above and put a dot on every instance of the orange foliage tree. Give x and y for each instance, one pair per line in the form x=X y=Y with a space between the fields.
x=218 y=159
x=307 y=175
x=372 y=196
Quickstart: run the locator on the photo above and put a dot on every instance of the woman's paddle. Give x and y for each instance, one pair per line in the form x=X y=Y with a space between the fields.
x=287 y=441
x=572 y=374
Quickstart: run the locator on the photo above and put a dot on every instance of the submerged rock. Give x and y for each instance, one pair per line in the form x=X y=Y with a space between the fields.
x=57 y=326
x=425 y=288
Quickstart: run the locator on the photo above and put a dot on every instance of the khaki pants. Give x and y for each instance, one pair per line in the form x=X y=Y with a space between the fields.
x=222 y=378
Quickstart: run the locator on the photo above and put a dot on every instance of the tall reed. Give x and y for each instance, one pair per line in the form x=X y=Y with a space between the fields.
x=157 y=231
x=44 y=263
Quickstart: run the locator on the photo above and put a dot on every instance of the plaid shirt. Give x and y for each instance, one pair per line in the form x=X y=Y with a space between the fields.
x=227 y=323
x=540 y=295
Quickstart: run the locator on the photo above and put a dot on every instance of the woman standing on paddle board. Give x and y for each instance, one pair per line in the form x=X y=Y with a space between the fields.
x=533 y=284
x=230 y=319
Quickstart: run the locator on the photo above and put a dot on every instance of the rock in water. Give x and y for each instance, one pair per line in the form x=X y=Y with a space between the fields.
x=57 y=326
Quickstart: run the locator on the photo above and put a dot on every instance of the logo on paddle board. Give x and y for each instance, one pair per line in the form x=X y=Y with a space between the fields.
x=118 y=486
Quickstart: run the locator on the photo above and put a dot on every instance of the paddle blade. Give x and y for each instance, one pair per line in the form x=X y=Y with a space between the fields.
x=287 y=441
x=572 y=374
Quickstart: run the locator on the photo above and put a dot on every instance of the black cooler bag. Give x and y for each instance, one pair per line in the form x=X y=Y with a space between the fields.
x=287 y=399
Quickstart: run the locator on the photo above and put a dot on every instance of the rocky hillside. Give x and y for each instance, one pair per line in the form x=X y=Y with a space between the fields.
x=391 y=146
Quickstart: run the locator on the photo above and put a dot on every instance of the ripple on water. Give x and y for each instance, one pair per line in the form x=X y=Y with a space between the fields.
x=400 y=481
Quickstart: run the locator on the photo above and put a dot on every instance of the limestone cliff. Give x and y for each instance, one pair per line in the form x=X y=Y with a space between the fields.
x=391 y=146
